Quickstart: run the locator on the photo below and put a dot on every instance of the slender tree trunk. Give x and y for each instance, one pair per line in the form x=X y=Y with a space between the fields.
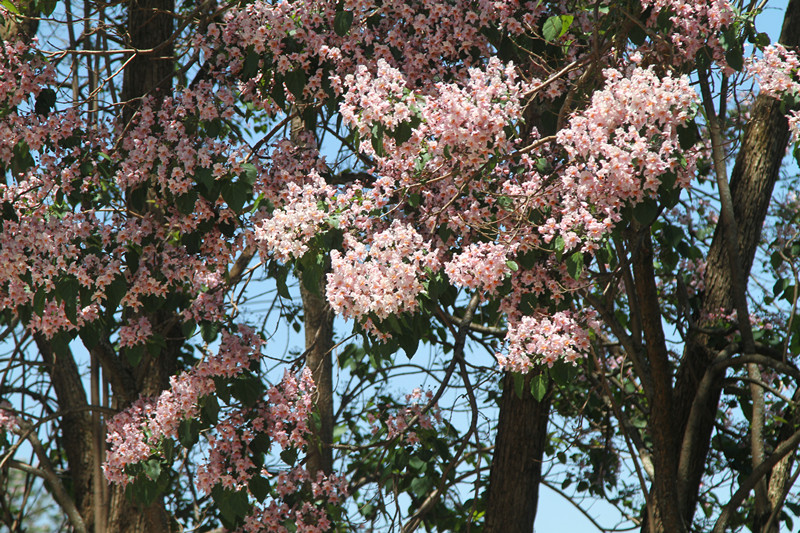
x=318 y=326
x=319 y=345
x=664 y=496
x=76 y=425
x=516 y=473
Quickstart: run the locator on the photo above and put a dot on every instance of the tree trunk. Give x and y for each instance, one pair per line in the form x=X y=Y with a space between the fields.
x=516 y=473
x=755 y=172
x=319 y=345
x=76 y=425
x=150 y=27
x=318 y=325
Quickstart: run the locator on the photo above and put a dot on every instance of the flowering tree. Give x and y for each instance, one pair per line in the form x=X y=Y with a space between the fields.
x=538 y=191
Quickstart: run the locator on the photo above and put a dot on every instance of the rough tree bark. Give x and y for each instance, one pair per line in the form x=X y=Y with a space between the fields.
x=517 y=461
x=753 y=178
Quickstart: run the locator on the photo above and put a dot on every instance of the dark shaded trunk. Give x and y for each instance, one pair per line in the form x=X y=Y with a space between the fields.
x=663 y=497
x=150 y=27
x=150 y=72
x=513 y=493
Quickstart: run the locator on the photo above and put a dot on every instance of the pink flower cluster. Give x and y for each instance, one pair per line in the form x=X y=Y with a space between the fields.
x=696 y=23
x=285 y=232
x=284 y=418
x=436 y=44
x=158 y=151
x=23 y=73
x=547 y=337
x=621 y=147
x=135 y=433
x=397 y=424
x=135 y=332
x=8 y=420
x=778 y=73
x=307 y=517
x=460 y=123
x=383 y=277
x=479 y=266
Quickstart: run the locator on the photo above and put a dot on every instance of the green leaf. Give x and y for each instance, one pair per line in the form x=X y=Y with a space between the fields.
x=409 y=343
x=155 y=344
x=575 y=265
x=688 y=134
x=260 y=444
x=703 y=58
x=444 y=233
x=289 y=456
x=519 y=384
x=277 y=93
x=249 y=174
x=637 y=35
x=213 y=127
x=115 y=291
x=209 y=331
x=296 y=81
x=312 y=268
x=233 y=505
x=552 y=28
x=204 y=177
x=342 y=22
x=402 y=132
x=556 y=26
x=210 y=410
x=528 y=304
x=735 y=58
x=38 y=302
x=420 y=486
x=512 y=265
x=137 y=198
x=188 y=328
x=559 y=244
x=235 y=195
x=248 y=389
x=646 y=211
x=539 y=385
x=188 y=432
x=134 y=354
x=377 y=139
x=283 y=289
x=259 y=487
x=563 y=373
x=47 y=7
x=762 y=39
x=185 y=202
x=45 y=101
x=152 y=468
x=89 y=335
x=250 y=66
x=10 y=6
